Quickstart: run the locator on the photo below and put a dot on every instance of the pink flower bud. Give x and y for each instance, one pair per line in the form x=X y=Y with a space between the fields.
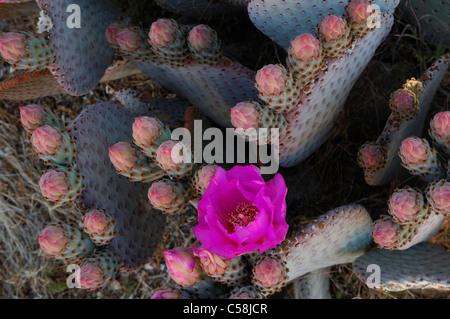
x=169 y=293
x=358 y=11
x=146 y=130
x=271 y=79
x=182 y=266
x=385 y=233
x=46 y=140
x=440 y=124
x=123 y=156
x=439 y=196
x=163 y=32
x=245 y=115
x=305 y=47
x=204 y=176
x=403 y=100
x=414 y=150
x=201 y=37
x=333 y=27
x=54 y=185
x=168 y=155
x=162 y=194
x=32 y=116
x=211 y=263
x=371 y=155
x=404 y=204
x=96 y=222
x=53 y=240
x=13 y=46
x=269 y=272
x=91 y=276
x=111 y=33
x=128 y=39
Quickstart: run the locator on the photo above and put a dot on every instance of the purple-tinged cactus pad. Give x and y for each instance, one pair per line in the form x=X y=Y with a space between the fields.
x=82 y=55
x=396 y=131
x=284 y=20
x=139 y=227
x=314 y=285
x=311 y=122
x=169 y=111
x=337 y=237
x=423 y=266
x=214 y=89
x=434 y=20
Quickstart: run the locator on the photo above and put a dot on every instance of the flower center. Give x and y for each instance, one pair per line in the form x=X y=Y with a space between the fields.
x=243 y=215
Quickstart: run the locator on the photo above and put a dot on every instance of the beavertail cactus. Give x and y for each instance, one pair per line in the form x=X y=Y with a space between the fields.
x=183 y=266
x=416 y=214
x=61 y=186
x=409 y=107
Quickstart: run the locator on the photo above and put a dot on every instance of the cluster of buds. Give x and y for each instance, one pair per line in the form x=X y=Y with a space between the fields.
x=281 y=87
x=187 y=265
x=416 y=215
x=168 y=164
x=166 y=43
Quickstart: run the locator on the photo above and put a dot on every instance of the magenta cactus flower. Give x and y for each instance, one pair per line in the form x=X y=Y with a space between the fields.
x=245 y=116
x=202 y=37
x=269 y=272
x=163 y=32
x=440 y=125
x=32 y=116
x=182 y=265
x=91 y=276
x=240 y=213
x=162 y=194
x=405 y=204
x=271 y=79
x=211 y=263
x=333 y=27
x=414 y=150
x=123 y=156
x=13 y=47
x=385 y=233
x=168 y=293
x=305 y=47
x=54 y=185
x=53 y=240
x=358 y=11
x=47 y=140
x=127 y=39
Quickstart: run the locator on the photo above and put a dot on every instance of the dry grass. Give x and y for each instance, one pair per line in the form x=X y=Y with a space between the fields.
x=332 y=175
